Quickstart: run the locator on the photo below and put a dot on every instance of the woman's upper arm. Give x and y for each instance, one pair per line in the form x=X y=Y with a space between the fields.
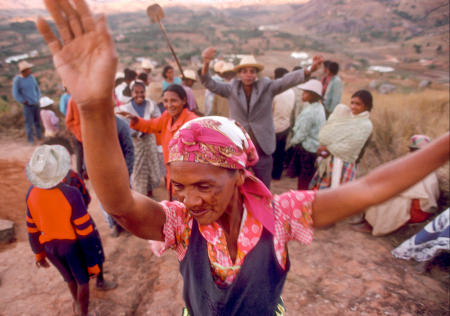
x=145 y=217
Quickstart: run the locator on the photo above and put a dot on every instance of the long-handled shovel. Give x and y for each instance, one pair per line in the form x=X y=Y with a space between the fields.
x=156 y=14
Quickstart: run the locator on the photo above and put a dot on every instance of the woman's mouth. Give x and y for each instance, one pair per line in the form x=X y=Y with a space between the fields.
x=198 y=213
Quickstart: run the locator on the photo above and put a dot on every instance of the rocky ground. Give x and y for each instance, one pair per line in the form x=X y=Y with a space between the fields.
x=342 y=272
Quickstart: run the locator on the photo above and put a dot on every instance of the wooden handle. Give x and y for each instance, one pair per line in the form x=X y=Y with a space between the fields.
x=171 y=49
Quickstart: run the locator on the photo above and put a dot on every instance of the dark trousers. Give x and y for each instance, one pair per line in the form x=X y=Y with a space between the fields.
x=279 y=154
x=32 y=120
x=302 y=165
x=307 y=169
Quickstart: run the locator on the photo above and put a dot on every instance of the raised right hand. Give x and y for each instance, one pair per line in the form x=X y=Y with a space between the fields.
x=86 y=61
x=208 y=54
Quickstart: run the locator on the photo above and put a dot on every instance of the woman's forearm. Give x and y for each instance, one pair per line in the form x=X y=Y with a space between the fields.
x=379 y=185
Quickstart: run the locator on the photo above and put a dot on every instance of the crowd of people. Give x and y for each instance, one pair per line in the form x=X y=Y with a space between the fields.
x=229 y=231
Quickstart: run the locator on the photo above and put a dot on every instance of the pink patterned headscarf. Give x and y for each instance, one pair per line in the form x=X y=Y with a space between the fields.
x=222 y=142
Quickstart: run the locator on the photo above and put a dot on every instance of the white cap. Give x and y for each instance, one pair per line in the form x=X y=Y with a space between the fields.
x=45 y=101
x=189 y=74
x=312 y=85
x=146 y=64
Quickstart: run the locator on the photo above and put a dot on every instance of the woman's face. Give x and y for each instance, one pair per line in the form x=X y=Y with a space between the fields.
x=307 y=96
x=138 y=94
x=169 y=74
x=207 y=191
x=357 y=106
x=173 y=103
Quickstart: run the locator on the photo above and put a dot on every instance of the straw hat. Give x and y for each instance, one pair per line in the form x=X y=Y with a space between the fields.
x=24 y=65
x=45 y=101
x=155 y=91
x=248 y=61
x=312 y=85
x=48 y=165
x=227 y=67
x=189 y=74
x=146 y=64
x=418 y=141
x=218 y=66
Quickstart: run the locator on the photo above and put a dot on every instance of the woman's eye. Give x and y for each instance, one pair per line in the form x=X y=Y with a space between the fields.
x=204 y=187
x=177 y=186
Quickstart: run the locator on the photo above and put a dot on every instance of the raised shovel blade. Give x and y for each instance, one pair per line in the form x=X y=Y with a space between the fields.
x=155 y=13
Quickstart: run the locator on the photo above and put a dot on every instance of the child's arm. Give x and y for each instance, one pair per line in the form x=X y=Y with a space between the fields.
x=379 y=185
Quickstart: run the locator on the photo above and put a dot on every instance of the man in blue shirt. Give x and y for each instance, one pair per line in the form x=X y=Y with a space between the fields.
x=26 y=91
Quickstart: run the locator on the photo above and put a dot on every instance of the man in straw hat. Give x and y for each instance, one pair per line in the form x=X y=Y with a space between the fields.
x=229 y=232
x=250 y=102
x=59 y=226
x=25 y=90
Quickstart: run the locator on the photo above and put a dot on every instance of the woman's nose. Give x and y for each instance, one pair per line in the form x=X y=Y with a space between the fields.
x=192 y=200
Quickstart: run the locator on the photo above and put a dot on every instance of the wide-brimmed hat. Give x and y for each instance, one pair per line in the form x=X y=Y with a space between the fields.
x=312 y=85
x=24 y=65
x=249 y=61
x=418 y=141
x=45 y=101
x=189 y=74
x=227 y=67
x=146 y=64
x=218 y=66
x=48 y=165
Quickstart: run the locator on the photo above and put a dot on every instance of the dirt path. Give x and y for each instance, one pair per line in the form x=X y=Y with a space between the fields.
x=341 y=273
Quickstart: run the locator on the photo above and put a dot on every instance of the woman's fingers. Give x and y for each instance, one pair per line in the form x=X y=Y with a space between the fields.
x=50 y=38
x=61 y=23
x=72 y=17
x=85 y=14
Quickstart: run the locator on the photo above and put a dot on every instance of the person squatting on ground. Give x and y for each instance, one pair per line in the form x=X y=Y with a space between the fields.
x=25 y=90
x=59 y=226
x=250 y=102
x=218 y=199
x=342 y=140
x=414 y=205
x=305 y=135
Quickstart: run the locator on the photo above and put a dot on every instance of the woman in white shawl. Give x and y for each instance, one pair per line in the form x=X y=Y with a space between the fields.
x=146 y=171
x=342 y=139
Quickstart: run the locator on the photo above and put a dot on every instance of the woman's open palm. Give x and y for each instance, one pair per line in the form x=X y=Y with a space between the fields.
x=86 y=59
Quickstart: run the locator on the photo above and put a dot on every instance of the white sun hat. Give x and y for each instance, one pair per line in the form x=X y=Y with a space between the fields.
x=146 y=64
x=312 y=85
x=189 y=74
x=48 y=165
x=119 y=75
x=45 y=101
x=24 y=65
x=249 y=61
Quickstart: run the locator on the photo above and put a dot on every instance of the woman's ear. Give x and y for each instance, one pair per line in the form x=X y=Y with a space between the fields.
x=240 y=177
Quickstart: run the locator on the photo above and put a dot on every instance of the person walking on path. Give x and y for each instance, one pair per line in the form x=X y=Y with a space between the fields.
x=147 y=173
x=59 y=227
x=25 y=90
x=48 y=117
x=250 y=102
x=226 y=227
